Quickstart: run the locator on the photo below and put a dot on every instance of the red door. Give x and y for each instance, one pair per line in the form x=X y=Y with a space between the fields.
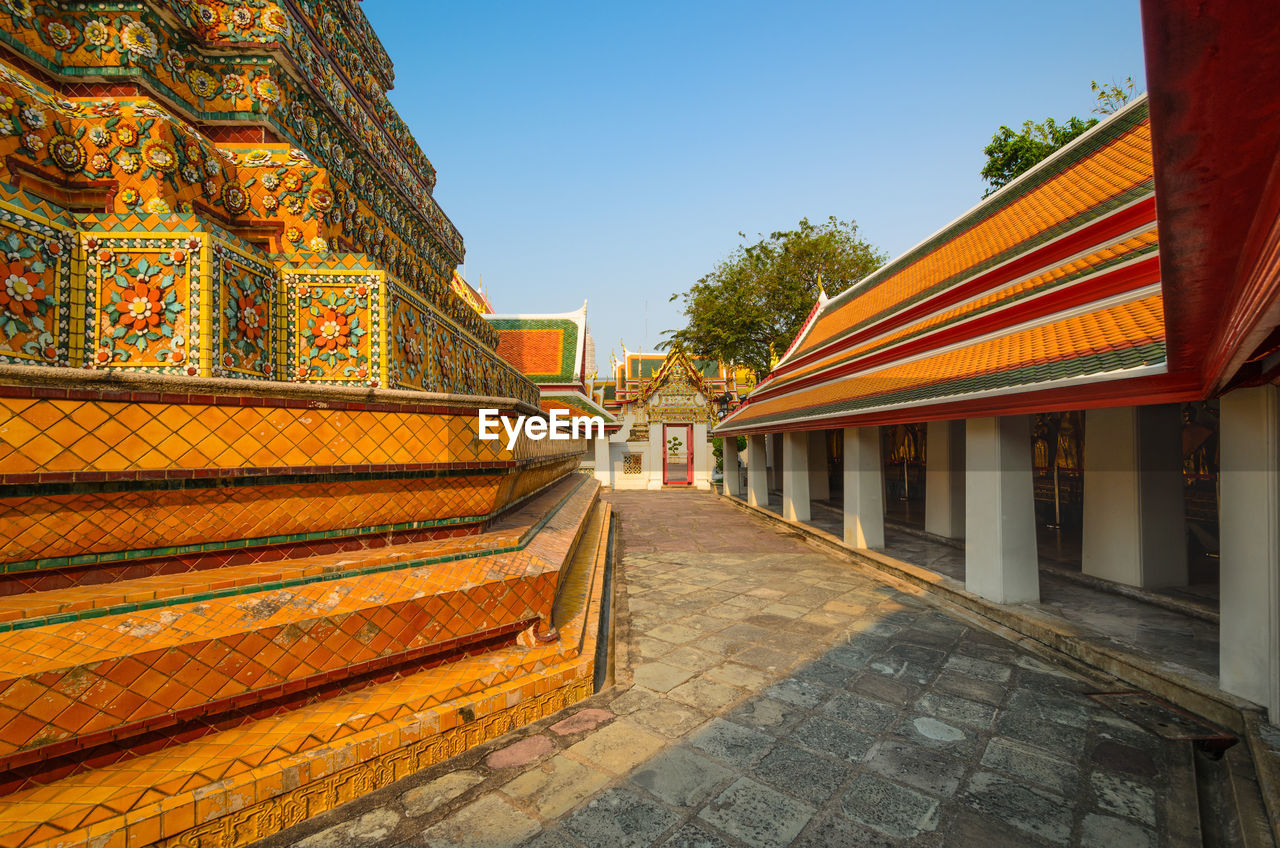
x=677 y=468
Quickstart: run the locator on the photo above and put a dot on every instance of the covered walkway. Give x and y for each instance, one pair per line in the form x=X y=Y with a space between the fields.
x=1163 y=631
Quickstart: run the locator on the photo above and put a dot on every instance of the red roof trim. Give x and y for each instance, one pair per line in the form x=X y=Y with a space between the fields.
x=1159 y=388
x=1087 y=290
x=1125 y=220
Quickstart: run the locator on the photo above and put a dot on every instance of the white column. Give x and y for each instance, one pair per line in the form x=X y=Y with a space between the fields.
x=757 y=471
x=1000 y=523
x=604 y=468
x=863 y=488
x=795 y=476
x=819 y=483
x=944 y=479
x=732 y=480
x=1249 y=529
x=1134 y=516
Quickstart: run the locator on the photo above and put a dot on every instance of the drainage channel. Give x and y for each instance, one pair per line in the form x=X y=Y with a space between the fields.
x=604 y=637
x=1229 y=808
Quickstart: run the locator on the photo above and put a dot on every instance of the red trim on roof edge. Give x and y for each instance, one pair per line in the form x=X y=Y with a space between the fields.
x=1095 y=234
x=1137 y=391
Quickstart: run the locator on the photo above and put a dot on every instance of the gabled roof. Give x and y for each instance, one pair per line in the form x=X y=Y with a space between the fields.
x=677 y=363
x=643 y=366
x=548 y=349
x=1052 y=283
x=575 y=403
x=470 y=296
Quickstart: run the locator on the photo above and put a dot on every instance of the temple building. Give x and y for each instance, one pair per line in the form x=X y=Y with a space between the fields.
x=1082 y=368
x=557 y=353
x=666 y=405
x=255 y=560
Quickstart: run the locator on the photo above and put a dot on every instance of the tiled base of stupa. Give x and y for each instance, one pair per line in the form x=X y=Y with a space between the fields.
x=197 y=648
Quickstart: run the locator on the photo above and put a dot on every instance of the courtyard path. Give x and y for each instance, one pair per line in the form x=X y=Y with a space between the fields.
x=782 y=698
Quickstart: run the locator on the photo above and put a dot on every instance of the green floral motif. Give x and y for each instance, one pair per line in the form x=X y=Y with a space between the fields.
x=27 y=298
x=142 y=307
x=332 y=331
x=246 y=317
x=410 y=355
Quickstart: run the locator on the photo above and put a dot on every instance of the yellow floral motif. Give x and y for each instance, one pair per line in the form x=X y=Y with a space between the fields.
x=139 y=40
x=204 y=85
x=160 y=155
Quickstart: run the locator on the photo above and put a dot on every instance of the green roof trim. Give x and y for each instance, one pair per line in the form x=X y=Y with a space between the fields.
x=568 y=347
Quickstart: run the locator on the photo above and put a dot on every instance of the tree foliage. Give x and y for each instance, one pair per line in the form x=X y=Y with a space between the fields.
x=757 y=298
x=1112 y=96
x=1013 y=153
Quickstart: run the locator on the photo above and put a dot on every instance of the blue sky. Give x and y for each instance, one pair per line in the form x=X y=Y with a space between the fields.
x=613 y=151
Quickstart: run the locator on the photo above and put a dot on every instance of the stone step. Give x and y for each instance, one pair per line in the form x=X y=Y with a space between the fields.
x=234 y=786
x=74 y=685
x=35 y=608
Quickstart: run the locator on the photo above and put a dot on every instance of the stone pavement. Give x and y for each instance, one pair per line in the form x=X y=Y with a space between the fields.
x=1173 y=639
x=782 y=698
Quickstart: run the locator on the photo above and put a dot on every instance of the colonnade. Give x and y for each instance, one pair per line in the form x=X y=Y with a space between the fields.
x=979 y=487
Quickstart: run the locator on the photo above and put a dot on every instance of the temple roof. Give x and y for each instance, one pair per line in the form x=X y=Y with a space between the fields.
x=637 y=375
x=548 y=349
x=1052 y=284
x=575 y=403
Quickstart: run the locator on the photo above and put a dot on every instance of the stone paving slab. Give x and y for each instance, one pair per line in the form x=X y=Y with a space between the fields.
x=781 y=699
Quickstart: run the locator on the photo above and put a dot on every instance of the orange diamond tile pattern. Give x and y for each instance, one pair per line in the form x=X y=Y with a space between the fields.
x=534 y=351
x=52 y=435
x=365 y=738
x=98 y=522
x=508 y=532
x=91 y=676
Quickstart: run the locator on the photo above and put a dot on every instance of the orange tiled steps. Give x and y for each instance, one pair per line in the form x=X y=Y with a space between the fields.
x=238 y=785
x=132 y=595
x=82 y=683
x=47 y=528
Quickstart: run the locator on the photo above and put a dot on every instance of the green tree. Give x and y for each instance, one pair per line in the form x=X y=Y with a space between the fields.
x=1012 y=153
x=756 y=299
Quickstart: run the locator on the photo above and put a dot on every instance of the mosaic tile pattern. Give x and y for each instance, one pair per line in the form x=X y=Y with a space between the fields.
x=229 y=787
x=245 y=315
x=412 y=232
x=77 y=525
x=35 y=303
x=40 y=434
x=165 y=303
